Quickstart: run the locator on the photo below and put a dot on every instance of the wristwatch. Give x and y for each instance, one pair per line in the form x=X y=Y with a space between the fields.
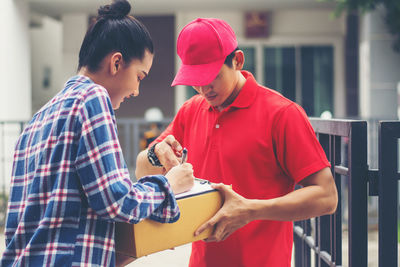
x=152 y=157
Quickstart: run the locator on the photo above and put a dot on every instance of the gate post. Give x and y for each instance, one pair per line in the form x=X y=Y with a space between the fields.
x=358 y=211
x=389 y=132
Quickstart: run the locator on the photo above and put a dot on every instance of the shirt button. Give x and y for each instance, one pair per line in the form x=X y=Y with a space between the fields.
x=217 y=126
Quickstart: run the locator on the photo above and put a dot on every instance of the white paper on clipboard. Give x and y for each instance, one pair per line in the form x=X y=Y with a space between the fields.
x=198 y=188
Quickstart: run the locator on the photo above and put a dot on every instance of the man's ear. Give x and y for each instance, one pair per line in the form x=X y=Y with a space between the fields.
x=115 y=63
x=238 y=60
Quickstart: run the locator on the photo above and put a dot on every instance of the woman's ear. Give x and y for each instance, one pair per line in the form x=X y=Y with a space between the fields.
x=115 y=63
x=238 y=60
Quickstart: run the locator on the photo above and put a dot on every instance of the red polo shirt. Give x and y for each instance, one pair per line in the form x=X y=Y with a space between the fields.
x=262 y=144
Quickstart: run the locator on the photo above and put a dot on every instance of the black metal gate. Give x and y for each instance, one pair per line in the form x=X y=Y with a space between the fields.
x=345 y=143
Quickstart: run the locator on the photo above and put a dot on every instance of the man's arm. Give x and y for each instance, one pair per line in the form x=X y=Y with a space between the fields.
x=168 y=152
x=317 y=197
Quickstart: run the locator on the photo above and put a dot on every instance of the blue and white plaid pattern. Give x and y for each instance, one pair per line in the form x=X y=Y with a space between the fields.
x=70 y=184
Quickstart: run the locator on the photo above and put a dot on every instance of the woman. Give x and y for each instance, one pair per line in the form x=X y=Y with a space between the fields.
x=69 y=181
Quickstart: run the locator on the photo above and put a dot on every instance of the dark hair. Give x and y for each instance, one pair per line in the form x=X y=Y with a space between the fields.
x=114 y=30
x=229 y=58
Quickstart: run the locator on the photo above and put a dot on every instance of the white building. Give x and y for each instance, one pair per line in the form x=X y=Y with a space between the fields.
x=345 y=65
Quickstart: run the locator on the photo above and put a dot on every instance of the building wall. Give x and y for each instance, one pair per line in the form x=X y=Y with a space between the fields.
x=56 y=45
x=379 y=76
x=379 y=69
x=74 y=27
x=54 y=51
x=156 y=90
x=15 y=77
x=46 y=47
x=287 y=27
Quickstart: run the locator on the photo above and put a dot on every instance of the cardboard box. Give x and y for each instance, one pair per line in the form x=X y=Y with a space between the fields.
x=148 y=236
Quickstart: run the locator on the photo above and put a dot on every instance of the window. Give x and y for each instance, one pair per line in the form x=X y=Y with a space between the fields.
x=317 y=79
x=190 y=91
x=303 y=74
x=280 y=70
x=250 y=59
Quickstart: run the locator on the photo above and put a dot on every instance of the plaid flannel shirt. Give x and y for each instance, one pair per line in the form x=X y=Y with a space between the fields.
x=70 y=184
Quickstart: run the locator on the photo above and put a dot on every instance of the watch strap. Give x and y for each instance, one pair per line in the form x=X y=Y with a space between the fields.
x=152 y=157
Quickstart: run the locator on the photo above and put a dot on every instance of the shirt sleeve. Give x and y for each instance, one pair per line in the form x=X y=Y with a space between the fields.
x=103 y=174
x=298 y=150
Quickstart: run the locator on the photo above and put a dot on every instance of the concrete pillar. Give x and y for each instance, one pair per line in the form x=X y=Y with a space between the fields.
x=379 y=68
x=15 y=77
x=15 y=65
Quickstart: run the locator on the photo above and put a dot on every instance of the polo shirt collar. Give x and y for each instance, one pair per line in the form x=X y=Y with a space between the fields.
x=247 y=94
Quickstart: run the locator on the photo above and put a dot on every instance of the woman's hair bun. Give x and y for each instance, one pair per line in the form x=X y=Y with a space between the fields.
x=117 y=10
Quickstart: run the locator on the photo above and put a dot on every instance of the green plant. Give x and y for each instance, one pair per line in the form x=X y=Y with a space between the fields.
x=398 y=231
x=392 y=17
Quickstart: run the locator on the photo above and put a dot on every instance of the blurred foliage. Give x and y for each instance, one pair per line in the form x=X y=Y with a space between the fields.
x=3 y=208
x=392 y=17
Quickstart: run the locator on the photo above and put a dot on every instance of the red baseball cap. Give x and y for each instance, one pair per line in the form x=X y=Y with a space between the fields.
x=203 y=45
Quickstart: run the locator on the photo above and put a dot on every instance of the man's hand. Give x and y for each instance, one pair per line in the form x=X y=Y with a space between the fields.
x=181 y=178
x=233 y=215
x=317 y=197
x=168 y=151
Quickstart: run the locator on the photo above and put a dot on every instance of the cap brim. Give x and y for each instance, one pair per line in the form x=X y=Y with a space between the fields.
x=197 y=75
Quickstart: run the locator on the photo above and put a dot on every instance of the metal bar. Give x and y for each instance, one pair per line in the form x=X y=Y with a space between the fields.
x=324 y=222
x=373 y=185
x=303 y=245
x=317 y=240
x=325 y=229
x=309 y=240
x=337 y=217
x=327 y=259
x=342 y=170
x=332 y=127
x=21 y=126
x=389 y=132
x=358 y=219
x=127 y=145
x=136 y=140
x=300 y=256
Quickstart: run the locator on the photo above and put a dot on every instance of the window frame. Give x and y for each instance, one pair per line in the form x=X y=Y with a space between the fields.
x=339 y=103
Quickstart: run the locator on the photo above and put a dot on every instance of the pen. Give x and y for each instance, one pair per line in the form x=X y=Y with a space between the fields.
x=184 y=155
x=202 y=181
x=184 y=158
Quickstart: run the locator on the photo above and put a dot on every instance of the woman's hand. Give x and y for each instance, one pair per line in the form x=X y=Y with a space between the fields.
x=181 y=178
